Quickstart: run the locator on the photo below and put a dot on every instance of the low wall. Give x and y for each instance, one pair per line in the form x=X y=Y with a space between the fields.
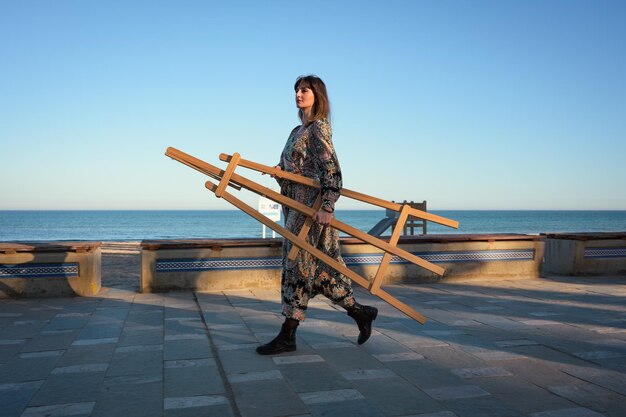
x=49 y=269
x=462 y=256
x=586 y=254
x=209 y=265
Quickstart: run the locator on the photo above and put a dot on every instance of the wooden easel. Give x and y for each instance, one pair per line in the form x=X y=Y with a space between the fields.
x=228 y=177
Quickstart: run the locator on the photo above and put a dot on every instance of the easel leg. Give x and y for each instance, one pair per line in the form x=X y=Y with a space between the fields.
x=380 y=274
x=305 y=228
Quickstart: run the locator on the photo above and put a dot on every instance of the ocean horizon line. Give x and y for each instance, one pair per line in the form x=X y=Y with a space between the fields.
x=175 y=224
x=338 y=210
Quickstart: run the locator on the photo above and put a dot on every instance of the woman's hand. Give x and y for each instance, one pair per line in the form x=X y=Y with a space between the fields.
x=279 y=180
x=322 y=217
x=272 y=175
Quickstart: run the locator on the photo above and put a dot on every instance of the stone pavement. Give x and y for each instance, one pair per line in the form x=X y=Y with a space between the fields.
x=524 y=347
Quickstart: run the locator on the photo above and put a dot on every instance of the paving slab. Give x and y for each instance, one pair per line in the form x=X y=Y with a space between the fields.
x=67 y=321
x=435 y=414
x=234 y=334
x=507 y=389
x=425 y=374
x=220 y=410
x=482 y=372
x=203 y=405
x=393 y=396
x=568 y=412
x=24 y=369
x=80 y=355
x=483 y=406
x=255 y=376
x=142 y=360
x=348 y=359
x=130 y=396
x=60 y=410
x=185 y=346
x=94 y=331
x=309 y=377
x=297 y=359
x=141 y=336
x=593 y=397
x=456 y=392
x=15 y=396
x=453 y=357
x=540 y=372
x=398 y=357
x=330 y=396
x=22 y=329
x=245 y=360
x=50 y=340
x=192 y=378
x=343 y=407
x=69 y=388
x=267 y=398
x=609 y=379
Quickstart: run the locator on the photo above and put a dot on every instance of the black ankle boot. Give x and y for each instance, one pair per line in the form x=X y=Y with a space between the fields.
x=364 y=316
x=284 y=342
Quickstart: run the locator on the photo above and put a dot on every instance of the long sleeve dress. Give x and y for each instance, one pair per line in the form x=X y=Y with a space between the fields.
x=309 y=152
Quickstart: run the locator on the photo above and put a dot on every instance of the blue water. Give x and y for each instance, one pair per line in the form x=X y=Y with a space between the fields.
x=140 y=225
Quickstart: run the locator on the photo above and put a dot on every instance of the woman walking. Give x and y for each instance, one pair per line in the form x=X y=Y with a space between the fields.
x=309 y=152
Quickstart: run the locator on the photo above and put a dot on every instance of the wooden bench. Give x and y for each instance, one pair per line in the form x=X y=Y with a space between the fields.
x=410 y=225
x=49 y=269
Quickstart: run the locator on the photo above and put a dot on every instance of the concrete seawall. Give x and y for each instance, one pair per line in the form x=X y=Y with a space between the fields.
x=74 y=268
x=236 y=264
x=586 y=254
x=49 y=269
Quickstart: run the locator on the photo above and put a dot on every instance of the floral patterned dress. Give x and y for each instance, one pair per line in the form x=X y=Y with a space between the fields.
x=309 y=152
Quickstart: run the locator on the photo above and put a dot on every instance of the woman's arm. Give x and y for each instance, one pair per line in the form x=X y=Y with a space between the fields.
x=326 y=164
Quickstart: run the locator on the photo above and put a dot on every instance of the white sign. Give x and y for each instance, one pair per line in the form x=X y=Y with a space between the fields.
x=270 y=209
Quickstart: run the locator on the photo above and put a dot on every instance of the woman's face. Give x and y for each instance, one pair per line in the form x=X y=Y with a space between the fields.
x=304 y=98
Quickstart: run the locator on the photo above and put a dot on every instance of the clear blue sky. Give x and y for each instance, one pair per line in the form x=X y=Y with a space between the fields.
x=466 y=104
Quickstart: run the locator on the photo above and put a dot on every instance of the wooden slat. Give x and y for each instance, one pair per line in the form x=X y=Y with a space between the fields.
x=305 y=228
x=344 y=191
x=195 y=163
x=273 y=195
x=227 y=174
x=382 y=268
x=302 y=244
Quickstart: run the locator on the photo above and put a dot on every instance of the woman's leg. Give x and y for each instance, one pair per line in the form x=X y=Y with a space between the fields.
x=295 y=279
x=334 y=286
x=338 y=288
x=285 y=341
x=295 y=294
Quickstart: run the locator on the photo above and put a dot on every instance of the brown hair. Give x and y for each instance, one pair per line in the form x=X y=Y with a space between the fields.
x=321 y=105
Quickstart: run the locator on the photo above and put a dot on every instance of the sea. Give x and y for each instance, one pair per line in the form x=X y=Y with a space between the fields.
x=135 y=225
